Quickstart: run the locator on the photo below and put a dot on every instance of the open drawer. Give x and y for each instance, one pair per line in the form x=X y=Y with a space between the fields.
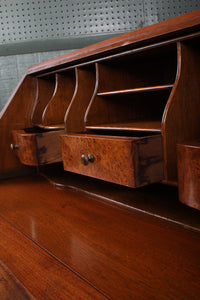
x=130 y=161
x=37 y=148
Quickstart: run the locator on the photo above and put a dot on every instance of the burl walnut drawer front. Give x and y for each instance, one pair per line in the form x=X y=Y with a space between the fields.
x=36 y=149
x=130 y=161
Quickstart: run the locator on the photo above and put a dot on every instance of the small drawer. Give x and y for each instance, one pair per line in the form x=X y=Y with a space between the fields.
x=188 y=160
x=37 y=148
x=130 y=161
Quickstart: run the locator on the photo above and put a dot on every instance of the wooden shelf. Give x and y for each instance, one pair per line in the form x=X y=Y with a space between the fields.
x=137 y=90
x=152 y=126
x=51 y=127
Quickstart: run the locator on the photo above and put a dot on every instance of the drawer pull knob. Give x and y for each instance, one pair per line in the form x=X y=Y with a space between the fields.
x=13 y=147
x=84 y=160
x=91 y=158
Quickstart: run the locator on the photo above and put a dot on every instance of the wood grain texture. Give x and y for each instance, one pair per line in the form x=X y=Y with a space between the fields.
x=153 y=65
x=132 y=162
x=15 y=115
x=124 y=253
x=10 y=287
x=152 y=62
x=38 y=148
x=155 y=199
x=152 y=126
x=41 y=274
x=131 y=108
x=56 y=108
x=167 y=29
x=132 y=73
x=43 y=92
x=85 y=84
x=49 y=147
x=188 y=156
x=26 y=149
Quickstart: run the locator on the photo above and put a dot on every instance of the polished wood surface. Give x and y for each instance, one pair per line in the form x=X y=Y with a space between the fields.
x=44 y=276
x=82 y=238
x=24 y=146
x=85 y=85
x=157 y=199
x=151 y=126
x=15 y=115
x=55 y=109
x=122 y=252
x=181 y=117
x=37 y=148
x=189 y=173
x=10 y=287
x=143 y=106
x=131 y=161
x=44 y=90
x=136 y=90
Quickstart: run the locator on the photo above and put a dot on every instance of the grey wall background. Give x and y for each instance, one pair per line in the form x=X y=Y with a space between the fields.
x=33 y=31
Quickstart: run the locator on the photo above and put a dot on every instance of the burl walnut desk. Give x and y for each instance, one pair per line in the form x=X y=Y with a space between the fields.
x=95 y=163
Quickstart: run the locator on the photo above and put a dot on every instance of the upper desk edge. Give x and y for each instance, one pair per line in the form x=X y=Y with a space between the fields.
x=168 y=28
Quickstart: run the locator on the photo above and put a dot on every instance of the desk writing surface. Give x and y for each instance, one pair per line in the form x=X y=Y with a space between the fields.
x=123 y=253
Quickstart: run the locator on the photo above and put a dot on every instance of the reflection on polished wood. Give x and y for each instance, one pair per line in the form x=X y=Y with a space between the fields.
x=42 y=275
x=122 y=252
x=10 y=287
x=156 y=199
x=152 y=126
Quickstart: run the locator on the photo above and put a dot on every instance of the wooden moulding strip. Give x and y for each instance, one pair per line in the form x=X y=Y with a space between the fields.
x=120 y=53
x=136 y=90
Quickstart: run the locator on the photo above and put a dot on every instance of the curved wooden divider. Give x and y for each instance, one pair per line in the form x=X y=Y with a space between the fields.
x=182 y=113
x=44 y=91
x=55 y=109
x=85 y=85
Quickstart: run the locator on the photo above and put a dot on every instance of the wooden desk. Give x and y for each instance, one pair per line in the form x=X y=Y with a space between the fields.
x=120 y=108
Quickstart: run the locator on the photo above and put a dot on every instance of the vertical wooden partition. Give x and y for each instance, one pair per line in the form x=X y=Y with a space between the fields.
x=55 y=109
x=132 y=90
x=85 y=85
x=181 y=119
x=44 y=91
